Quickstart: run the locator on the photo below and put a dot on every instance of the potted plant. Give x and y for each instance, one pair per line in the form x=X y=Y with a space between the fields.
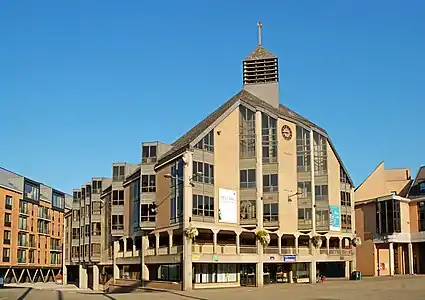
x=191 y=232
x=264 y=237
x=317 y=241
x=356 y=241
x=58 y=278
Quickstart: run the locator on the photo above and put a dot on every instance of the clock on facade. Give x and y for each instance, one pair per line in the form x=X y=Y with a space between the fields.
x=286 y=132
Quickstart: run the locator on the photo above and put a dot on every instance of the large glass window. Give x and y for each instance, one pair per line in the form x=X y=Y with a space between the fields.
x=176 y=201
x=388 y=216
x=213 y=273
x=248 y=179
x=135 y=195
x=269 y=138
x=303 y=150
x=149 y=183
x=149 y=154
x=270 y=183
x=118 y=173
x=207 y=142
x=305 y=216
x=304 y=189
x=117 y=222
x=320 y=154
x=31 y=191
x=422 y=188
x=203 y=206
x=8 y=202
x=246 y=132
x=7 y=220
x=7 y=236
x=170 y=273
x=321 y=192
x=58 y=201
x=345 y=198
x=207 y=171
x=118 y=197
x=146 y=215
x=322 y=219
x=271 y=212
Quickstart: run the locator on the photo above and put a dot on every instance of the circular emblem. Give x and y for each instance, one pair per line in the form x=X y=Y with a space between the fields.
x=286 y=132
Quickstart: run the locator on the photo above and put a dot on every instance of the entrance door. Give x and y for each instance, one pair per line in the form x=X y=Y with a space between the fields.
x=247 y=274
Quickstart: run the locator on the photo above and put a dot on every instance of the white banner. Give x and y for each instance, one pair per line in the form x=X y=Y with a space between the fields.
x=228 y=206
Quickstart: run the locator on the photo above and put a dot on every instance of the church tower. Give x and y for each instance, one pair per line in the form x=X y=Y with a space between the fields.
x=260 y=73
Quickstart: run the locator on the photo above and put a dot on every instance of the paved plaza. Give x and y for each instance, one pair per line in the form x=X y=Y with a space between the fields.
x=400 y=288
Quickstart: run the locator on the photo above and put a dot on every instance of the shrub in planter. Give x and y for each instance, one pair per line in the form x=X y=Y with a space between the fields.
x=191 y=232
x=356 y=241
x=317 y=241
x=264 y=237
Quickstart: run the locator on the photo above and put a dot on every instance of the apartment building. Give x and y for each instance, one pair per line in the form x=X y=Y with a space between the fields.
x=389 y=219
x=32 y=235
x=253 y=194
x=96 y=220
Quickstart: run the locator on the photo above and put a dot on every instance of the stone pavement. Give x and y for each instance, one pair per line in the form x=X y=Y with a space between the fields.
x=388 y=288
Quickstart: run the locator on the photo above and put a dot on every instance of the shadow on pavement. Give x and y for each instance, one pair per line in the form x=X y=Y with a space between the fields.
x=25 y=294
x=60 y=295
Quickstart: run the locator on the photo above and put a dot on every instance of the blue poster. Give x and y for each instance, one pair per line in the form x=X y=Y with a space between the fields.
x=334 y=218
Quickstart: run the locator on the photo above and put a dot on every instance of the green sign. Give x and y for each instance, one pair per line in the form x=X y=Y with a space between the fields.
x=215 y=257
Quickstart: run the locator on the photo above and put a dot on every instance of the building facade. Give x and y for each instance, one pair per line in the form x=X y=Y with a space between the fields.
x=96 y=220
x=253 y=194
x=32 y=235
x=389 y=217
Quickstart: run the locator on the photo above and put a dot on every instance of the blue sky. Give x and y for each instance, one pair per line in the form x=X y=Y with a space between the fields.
x=83 y=83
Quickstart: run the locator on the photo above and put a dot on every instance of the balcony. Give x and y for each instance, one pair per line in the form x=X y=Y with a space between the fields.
x=44 y=216
x=335 y=251
x=149 y=160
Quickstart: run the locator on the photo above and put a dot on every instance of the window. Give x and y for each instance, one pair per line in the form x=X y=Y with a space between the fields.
x=176 y=201
x=270 y=183
x=203 y=206
x=22 y=256
x=247 y=179
x=304 y=188
x=22 y=240
x=149 y=154
x=207 y=142
x=146 y=214
x=303 y=150
x=88 y=191
x=170 y=273
x=6 y=254
x=75 y=251
x=23 y=207
x=345 y=198
x=96 y=208
x=118 y=197
x=43 y=226
x=95 y=249
x=96 y=228
x=246 y=132
x=31 y=191
x=321 y=192
x=87 y=210
x=23 y=223
x=117 y=173
x=8 y=202
x=6 y=237
x=58 y=201
x=422 y=188
x=31 y=256
x=55 y=258
x=32 y=241
x=75 y=215
x=135 y=199
x=346 y=222
x=320 y=154
x=117 y=222
x=322 y=219
x=148 y=183
x=207 y=171
x=43 y=213
x=76 y=196
x=248 y=210
x=87 y=230
x=212 y=273
x=271 y=212
x=97 y=186
x=343 y=176
x=75 y=233
x=388 y=217
x=7 y=220
x=304 y=215
x=269 y=138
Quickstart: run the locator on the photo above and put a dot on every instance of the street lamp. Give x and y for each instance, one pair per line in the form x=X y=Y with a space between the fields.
x=168 y=175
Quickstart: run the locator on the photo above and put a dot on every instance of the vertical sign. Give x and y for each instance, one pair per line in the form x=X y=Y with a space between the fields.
x=334 y=218
x=227 y=205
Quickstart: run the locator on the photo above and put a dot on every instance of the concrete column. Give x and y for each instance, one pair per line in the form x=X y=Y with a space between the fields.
x=82 y=278
x=410 y=255
x=259 y=170
x=313 y=272
x=279 y=244
x=125 y=246
x=238 y=243
x=340 y=245
x=95 y=277
x=215 y=241
x=259 y=269
x=327 y=244
x=157 y=243
x=391 y=259
x=187 y=215
x=296 y=244
x=64 y=275
x=347 y=269
x=144 y=271
x=116 y=270
x=134 y=247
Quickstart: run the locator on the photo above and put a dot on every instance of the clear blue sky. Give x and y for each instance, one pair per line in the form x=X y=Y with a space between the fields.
x=83 y=83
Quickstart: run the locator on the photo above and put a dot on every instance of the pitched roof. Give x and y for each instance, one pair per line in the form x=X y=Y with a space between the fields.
x=260 y=53
x=181 y=144
x=420 y=177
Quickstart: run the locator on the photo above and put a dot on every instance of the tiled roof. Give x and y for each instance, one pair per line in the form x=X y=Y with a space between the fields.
x=182 y=144
x=260 y=53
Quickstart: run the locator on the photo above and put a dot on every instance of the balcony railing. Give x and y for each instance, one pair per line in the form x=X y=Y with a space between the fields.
x=270 y=189
x=248 y=249
x=271 y=250
x=149 y=160
x=334 y=251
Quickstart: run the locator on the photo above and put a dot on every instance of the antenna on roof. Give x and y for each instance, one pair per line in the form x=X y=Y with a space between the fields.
x=260 y=27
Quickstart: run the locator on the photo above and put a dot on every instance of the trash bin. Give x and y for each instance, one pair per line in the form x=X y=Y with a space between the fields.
x=356 y=275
